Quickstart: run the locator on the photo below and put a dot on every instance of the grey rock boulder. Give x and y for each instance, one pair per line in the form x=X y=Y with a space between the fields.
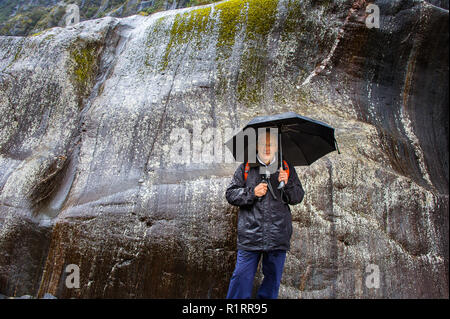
x=91 y=115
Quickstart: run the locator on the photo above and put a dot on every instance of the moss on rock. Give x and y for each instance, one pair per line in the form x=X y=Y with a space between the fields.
x=153 y=35
x=187 y=27
x=261 y=17
x=190 y=28
x=17 y=55
x=231 y=15
x=258 y=18
x=84 y=57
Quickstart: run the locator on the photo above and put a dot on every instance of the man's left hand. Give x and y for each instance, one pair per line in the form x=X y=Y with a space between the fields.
x=283 y=176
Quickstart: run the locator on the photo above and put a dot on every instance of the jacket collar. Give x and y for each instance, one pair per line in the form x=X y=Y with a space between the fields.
x=258 y=163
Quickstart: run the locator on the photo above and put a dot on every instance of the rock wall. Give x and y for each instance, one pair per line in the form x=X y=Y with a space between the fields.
x=89 y=117
x=27 y=17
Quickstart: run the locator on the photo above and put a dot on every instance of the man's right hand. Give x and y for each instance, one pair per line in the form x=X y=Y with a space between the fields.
x=261 y=189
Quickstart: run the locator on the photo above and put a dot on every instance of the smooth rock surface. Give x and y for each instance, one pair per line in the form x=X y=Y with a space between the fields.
x=88 y=177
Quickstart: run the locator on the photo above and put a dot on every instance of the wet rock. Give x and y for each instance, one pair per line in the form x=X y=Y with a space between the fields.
x=91 y=115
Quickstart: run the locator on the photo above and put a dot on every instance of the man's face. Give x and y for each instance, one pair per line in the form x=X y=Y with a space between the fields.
x=267 y=146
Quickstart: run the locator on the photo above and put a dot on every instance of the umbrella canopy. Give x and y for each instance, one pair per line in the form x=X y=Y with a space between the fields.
x=303 y=140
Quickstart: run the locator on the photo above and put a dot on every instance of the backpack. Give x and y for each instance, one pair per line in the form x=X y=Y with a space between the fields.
x=247 y=169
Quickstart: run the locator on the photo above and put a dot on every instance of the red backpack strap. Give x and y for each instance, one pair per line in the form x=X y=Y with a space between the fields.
x=286 y=167
x=246 y=170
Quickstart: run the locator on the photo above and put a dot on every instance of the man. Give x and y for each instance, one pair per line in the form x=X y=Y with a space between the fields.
x=264 y=221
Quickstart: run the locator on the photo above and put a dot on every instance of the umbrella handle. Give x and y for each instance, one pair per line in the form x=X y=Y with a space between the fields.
x=336 y=144
x=280 y=147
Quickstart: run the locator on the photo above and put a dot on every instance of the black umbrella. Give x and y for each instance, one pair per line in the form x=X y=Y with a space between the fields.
x=301 y=140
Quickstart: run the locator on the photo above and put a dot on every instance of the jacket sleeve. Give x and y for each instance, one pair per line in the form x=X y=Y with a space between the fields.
x=237 y=193
x=294 y=189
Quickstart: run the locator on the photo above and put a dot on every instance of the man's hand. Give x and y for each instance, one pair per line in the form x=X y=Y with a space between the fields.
x=261 y=189
x=283 y=176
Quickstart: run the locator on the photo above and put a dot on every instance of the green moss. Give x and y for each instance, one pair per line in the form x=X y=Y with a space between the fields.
x=155 y=30
x=18 y=54
x=302 y=96
x=261 y=17
x=143 y=13
x=258 y=18
x=231 y=18
x=37 y=33
x=40 y=32
x=202 y=18
x=279 y=97
x=84 y=57
x=187 y=27
x=154 y=35
x=295 y=13
x=231 y=15
x=84 y=60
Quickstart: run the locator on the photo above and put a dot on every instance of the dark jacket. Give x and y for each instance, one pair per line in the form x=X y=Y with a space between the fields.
x=266 y=224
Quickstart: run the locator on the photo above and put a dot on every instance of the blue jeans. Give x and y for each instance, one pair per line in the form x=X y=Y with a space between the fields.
x=241 y=283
